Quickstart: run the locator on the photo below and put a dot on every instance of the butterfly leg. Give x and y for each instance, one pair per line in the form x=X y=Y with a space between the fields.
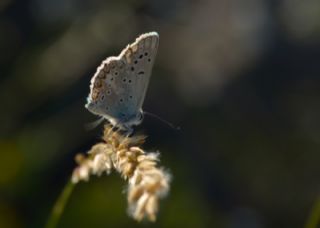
x=129 y=131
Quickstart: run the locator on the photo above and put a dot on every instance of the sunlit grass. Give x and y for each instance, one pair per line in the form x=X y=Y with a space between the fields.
x=147 y=183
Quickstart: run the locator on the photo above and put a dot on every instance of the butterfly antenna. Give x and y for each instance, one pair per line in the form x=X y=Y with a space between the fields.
x=162 y=120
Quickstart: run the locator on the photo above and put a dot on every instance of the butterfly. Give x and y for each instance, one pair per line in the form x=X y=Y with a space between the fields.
x=119 y=86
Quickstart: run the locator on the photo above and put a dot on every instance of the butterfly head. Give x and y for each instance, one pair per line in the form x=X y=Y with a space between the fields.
x=121 y=120
x=129 y=121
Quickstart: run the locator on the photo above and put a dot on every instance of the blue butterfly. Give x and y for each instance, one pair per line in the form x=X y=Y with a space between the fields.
x=119 y=86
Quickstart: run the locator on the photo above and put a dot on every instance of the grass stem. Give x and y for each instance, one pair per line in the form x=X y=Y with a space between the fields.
x=59 y=206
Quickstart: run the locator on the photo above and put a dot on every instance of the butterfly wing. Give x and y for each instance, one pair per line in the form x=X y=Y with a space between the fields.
x=140 y=57
x=106 y=90
x=119 y=86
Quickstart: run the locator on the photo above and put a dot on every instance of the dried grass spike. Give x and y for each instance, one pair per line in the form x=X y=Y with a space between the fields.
x=147 y=182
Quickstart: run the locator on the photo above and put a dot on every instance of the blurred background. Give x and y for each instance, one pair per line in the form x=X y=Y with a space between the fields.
x=240 y=77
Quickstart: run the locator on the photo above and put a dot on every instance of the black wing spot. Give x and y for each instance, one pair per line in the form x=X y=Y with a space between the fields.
x=140 y=57
x=102 y=97
x=130 y=97
x=136 y=61
x=111 y=79
x=108 y=92
x=146 y=53
x=132 y=68
x=124 y=80
x=116 y=73
x=149 y=60
x=129 y=81
x=121 y=100
x=141 y=72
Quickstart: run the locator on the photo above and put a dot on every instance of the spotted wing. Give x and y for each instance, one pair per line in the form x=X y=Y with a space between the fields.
x=139 y=58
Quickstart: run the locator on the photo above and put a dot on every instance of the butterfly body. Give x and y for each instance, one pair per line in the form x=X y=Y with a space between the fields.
x=118 y=88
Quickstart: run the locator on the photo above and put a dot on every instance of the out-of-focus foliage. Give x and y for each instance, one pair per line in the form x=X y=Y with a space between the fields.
x=241 y=78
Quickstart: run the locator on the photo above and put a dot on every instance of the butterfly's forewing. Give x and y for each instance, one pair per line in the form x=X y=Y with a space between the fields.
x=140 y=57
x=119 y=86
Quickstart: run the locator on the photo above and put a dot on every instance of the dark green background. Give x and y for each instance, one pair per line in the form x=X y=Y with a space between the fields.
x=240 y=77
